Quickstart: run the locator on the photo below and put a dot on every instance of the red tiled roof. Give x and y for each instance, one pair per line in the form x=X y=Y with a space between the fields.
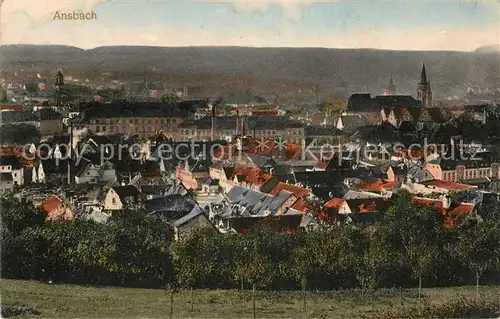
x=429 y=202
x=447 y=185
x=451 y=213
x=460 y=211
x=300 y=205
x=296 y=190
x=377 y=185
x=252 y=175
x=335 y=203
x=51 y=204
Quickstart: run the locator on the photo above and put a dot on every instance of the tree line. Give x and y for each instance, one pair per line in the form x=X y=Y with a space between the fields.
x=409 y=248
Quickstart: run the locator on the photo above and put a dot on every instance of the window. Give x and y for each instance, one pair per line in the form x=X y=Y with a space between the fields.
x=15 y=174
x=113 y=201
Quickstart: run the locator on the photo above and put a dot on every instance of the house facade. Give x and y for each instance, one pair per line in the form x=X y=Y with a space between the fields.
x=142 y=119
x=121 y=197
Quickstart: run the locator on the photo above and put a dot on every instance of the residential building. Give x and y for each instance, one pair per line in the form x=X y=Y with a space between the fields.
x=121 y=197
x=56 y=209
x=142 y=119
x=226 y=127
x=196 y=220
x=10 y=164
x=47 y=121
x=96 y=173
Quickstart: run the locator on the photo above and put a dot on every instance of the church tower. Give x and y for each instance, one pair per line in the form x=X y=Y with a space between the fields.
x=59 y=84
x=391 y=88
x=423 y=87
x=59 y=81
x=428 y=103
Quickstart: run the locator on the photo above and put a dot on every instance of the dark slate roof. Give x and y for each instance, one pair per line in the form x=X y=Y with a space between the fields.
x=142 y=109
x=191 y=105
x=10 y=160
x=126 y=191
x=195 y=212
x=47 y=114
x=317 y=130
x=352 y=122
x=324 y=178
x=176 y=204
x=484 y=159
x=198 y=166
x=154 y=189
x=327 y=192
x=363 y=102
x=8 y=117
x=405 y=101
x=407 y=126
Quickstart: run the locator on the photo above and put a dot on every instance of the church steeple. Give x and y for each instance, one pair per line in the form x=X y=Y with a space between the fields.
x=391 y=88
x=423 y=75
x=59 y=81
x=424 y=95
x=428 y=103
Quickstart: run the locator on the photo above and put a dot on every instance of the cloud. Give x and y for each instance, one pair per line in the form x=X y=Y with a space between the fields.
x=292 y=9
x=91 y=35
x=30 y=21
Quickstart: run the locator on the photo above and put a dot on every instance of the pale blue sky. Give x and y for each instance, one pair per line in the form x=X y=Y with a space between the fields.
x=454 y=25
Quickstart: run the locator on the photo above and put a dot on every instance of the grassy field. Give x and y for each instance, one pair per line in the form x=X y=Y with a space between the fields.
x=69 y=301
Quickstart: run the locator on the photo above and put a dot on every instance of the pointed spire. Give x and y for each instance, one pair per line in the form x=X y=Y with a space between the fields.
x=428 y=84
x=391 y=81
x=423 y=76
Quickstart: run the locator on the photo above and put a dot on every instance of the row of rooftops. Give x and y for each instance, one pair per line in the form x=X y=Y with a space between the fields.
x=364 y=102
x=44 y=114
x=139 y=109
x=251 y=123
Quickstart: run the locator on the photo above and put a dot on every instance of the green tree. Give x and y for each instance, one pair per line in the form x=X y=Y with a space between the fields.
x=412 y=234
x=170 y=97
x=3 y=96
x=331 y=108
x=477 y=247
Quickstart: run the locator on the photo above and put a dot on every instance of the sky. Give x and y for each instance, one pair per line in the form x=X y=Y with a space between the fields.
x=461 y=25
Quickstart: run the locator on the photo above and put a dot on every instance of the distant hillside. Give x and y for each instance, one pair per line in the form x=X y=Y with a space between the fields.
x=494 y=48
x=342 y=70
